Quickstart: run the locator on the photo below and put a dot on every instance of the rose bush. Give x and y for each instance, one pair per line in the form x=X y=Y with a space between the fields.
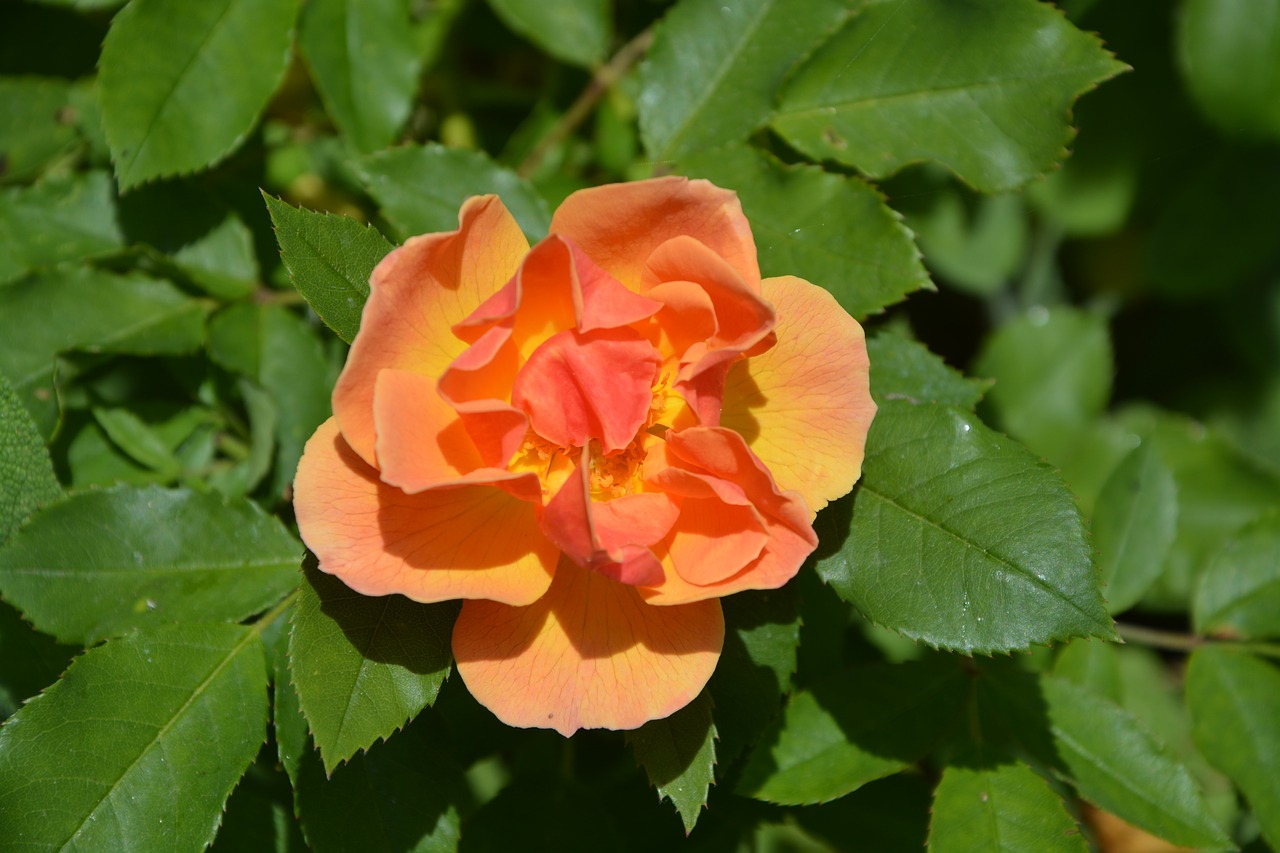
x=590 y=441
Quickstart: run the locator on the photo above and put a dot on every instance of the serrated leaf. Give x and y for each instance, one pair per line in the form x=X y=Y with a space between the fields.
x=27 y=480
x=365 y=64
x=1052 y=370
x=679 y=755
x=181 y=84
x=364 y=666
x=576 y=31
x=32 y=661
x=852 y=727
x=1229 y=56
x=421 y=188
x=102 y=562
x=905 y=369
x=1233 y=697
x=259 y=815
x=60 y=219
x=36 y=128
x=1239 y=592
x=712 y=72
x=139 y=745
x=984 y=88
x=329 y=259
x=963 y=539
x=1134 y=525
x=833 y=230
x=1001 y=808
x=90 y=310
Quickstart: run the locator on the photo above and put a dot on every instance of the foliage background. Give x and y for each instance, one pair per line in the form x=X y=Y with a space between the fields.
x=943 y=672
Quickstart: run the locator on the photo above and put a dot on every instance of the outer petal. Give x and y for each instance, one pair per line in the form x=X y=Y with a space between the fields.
x=417 y=293
x=474 y=541
x=619 y=225
x=805 y=406
x=588 y=654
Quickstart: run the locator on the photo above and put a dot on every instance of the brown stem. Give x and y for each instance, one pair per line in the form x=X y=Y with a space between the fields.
x=1176 y=642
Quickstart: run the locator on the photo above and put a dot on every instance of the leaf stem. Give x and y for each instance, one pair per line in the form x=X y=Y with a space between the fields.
x=1179 y=642
x=603 y=79
x=263 y=621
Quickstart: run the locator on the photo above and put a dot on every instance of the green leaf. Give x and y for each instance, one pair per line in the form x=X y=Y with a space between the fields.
x=27 y=481
x=576 y=31
x=903 y=369
x=182 y=84
x=833 y=230
x=712 y=72
x=221 y=261
x=102 y=562
x=1239 y=591
x=32 y=661
x=60 y=219
x=364 y=666
x=264 y=423
x=365 y=65
x=294 y=371
x=977 y=244
x=854 y=726
x=1052 y=371
x=984 y=87
x=36 y=128
x=259 y=815
x=132 y=435
x=1229 y=55
x=1233 y=697
x=1003 y=808
x=888 y=816
x=329 y=259
x=139 y=745
x=679 y=755
x=962 y=539
x=1092 y=665
x=421 y=188
x=1134 y=526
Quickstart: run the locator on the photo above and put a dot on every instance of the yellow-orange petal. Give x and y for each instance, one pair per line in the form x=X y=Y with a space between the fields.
x=417 y=293
x=619 y=225
x=420 y=440
x=589 y=654
x=470 y=541
x=805 y=406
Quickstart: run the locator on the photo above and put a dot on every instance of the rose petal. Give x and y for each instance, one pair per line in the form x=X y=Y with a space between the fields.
x=588 y=654
x=619 y=225
x=416 y=294
x=805 y=406
x=473 y=541
x=477 y=385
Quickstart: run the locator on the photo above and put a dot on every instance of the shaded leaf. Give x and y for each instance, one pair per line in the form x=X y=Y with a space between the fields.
x=1239 y=591
x=1134 y=526
x=679 y=755
x=132 y=435
x=32 y=661
x=905 y=369
x=60 y=219
x=888 y=816
x=27 y=481
x=1229 y=55
x=1000 y=808
x=294 y=371
x=977 y=244
x=576 y=31
x=36 y=128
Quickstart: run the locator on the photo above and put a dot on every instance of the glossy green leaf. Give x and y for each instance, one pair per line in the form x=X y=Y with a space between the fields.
x=421 y=188
x=102 y=562
x=679 y=754
x=833 y=230
x=1229 y=55
x=139 y=745
x=1005 y=808
x=329 y=259
x=857 y=725
x=1239 y=591
x=962 y=539
x=712 y=72
x=984 y=88
x=60 y=219
x=182 y=84
x=1134 y=525
x=36 y=128
x=903 y=369
x=27 y=481
x=364 y=666
x=1233 y=697
x=577 y=31
x=1092 y=665
x=1052 y=370
x=365 y=65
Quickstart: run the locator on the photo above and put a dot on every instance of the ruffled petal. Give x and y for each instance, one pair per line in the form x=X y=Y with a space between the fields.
x=416 y=294
x=588 y=654
x=619 y=225
x=805 y=406
x=472 y=541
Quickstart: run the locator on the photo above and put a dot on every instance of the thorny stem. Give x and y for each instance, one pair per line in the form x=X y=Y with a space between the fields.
x=603 y=79
x=1178 y=642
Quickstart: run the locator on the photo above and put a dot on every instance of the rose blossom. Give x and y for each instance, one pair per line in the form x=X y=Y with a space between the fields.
x=590 y=441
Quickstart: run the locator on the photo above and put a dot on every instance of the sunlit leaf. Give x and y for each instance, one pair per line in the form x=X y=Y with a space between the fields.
x=905 y=369
x=679 y=754
x=1000 y=808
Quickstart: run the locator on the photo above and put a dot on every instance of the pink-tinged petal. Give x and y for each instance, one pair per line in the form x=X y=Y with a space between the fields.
x=421 y=443
x=805 y=406
x=417 y=293
x=477 y=386
x=713 y=541
x=619 y=225
x=471 y=541
x=588 y=654
x=687 y=316
x=579 y=387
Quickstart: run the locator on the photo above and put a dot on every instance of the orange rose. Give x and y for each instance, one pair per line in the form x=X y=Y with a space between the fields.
x=591 y=441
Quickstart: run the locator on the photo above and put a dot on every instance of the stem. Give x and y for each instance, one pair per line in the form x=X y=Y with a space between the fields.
x=1176 y=642
x=261 y=623
x=601 y=82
